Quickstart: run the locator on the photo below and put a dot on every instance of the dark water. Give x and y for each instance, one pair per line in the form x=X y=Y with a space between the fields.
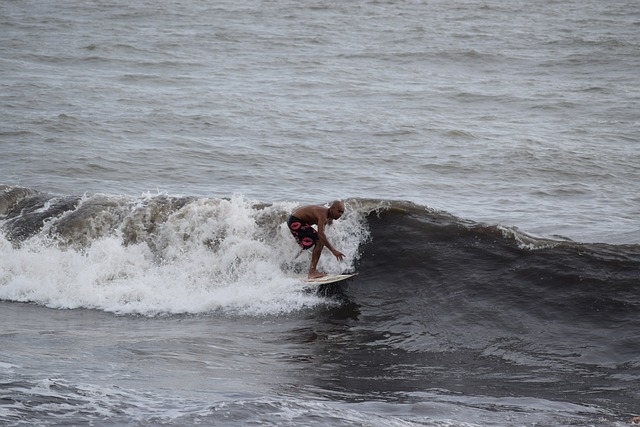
x=469 y=299
x=448 y=322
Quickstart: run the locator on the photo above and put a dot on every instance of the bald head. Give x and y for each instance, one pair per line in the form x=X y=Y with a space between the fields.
x=336 y=209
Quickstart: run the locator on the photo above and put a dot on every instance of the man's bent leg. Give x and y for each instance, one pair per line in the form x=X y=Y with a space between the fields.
x=315 y=257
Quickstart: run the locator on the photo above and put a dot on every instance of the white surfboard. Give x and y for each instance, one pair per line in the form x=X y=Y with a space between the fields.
x=330 y=278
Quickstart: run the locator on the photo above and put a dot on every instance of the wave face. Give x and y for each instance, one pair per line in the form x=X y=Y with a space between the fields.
x=509 y=279
x=73 y=247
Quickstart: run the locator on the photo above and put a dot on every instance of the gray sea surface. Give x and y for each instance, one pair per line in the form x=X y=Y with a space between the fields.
x=519 y=113
x=511 y=113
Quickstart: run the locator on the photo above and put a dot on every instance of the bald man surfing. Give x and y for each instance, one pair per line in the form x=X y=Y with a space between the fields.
x=300 y=223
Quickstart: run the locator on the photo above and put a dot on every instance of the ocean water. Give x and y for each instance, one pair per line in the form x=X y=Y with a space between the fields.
x=488 y=156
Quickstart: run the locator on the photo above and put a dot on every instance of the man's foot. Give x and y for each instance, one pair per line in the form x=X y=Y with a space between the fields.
x=315 y=275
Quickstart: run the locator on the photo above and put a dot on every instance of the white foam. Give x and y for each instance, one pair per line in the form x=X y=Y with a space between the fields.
x=211 y=255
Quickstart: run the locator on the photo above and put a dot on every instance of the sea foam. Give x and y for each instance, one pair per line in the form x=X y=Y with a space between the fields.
x=155 y=256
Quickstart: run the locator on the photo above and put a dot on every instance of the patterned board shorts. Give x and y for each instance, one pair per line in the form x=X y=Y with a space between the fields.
x=304 y=233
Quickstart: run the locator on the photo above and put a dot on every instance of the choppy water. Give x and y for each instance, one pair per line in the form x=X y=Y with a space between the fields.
x=513 y=112
x=150 y=153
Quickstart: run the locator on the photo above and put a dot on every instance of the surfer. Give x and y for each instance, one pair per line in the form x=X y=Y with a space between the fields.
x=300 y=225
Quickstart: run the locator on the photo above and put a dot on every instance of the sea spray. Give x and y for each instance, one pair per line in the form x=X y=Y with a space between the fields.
x=159 y=254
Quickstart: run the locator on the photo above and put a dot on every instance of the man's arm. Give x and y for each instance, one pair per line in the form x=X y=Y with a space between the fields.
x=322 y=221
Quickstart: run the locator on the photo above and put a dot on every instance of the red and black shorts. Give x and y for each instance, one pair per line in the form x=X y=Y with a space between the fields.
x=305 y=234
